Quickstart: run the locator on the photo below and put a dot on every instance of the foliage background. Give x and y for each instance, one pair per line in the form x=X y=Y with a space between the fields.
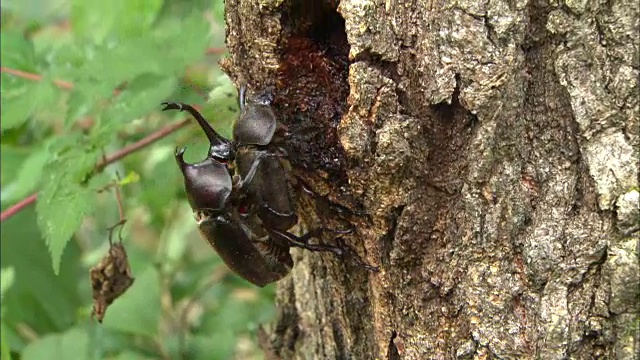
x=105 y=68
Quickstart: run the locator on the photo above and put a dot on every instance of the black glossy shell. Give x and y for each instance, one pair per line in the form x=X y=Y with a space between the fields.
x=256 y=125
x=207 y=183
x=270 y=186
x=258 y=263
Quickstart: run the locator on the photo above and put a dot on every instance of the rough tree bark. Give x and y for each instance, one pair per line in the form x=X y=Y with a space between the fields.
x=494 y=147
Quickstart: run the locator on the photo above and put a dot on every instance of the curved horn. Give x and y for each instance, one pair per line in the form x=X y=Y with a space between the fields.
x=220 y=147
x=179 y=154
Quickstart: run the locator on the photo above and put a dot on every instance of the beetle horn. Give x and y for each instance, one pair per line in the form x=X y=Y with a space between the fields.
x=179 y=154
x=219 y=146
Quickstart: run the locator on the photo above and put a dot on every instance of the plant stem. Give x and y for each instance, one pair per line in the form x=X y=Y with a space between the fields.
x=129 y=149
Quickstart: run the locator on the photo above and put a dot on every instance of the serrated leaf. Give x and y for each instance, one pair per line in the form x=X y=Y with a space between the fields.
x=141 y=96
x=72 y=344
x=16 y=51
x=113 y=65
x=20 y=103
x=140 y=15
x=12 y=158
x=16 y=106
x=184 y=41
x=222 y=107
x=45 y=301
x=79 y=104
x=29 y=175
x=138 y=310
x=60 y=213
x=63 y=202
x=124 y=18
x=66 y=59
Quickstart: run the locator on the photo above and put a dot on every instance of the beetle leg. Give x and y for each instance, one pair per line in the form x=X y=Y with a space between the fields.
x=239 y=183
x=276 y=219
x=323 y=203
x=341 y=250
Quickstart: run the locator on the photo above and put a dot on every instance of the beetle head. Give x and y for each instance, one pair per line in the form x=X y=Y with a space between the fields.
x=256 y=124
x=207 y=183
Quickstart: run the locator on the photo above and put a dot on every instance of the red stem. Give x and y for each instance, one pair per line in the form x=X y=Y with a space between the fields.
x=35 y=77
x=153 y=137
x=17 y=207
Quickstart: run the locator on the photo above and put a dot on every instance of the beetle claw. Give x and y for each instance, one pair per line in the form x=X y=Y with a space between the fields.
x=172 y=106
x=348 y=251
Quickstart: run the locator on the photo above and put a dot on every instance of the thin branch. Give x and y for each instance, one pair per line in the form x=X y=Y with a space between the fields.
x=216 y=51
x=140 y=144
x=35 y=77
x=119 y=200
x=17 y=207
x=148 y=140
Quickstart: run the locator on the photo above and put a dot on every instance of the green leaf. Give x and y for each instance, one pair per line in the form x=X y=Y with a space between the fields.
x=63 y=202
x=131 y=178
x=12 y=158
x=141 y=96
x=72 y=344
x=20 y=97
x=78 y=105
x=39 y=298
x=182 y=42
x=65 y=59
x=19 y=103
x=16 y=51
x=124 y=18
x=130 y=355
x=222 y=107
x=218 y=11
x=138 y=310
x=115 y=64
x=213 y=347
x=35 y=10
x=60 y=213
x=5 y=349
x=140 y=15
x=29 y=176
x=7 y=276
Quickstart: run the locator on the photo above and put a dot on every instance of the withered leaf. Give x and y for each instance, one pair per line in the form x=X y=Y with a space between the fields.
x=110 y=279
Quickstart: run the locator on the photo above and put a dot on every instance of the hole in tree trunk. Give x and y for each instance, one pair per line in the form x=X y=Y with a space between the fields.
x=312 y=87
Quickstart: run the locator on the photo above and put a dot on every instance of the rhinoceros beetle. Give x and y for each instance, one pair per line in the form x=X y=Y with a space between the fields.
x=241 y=197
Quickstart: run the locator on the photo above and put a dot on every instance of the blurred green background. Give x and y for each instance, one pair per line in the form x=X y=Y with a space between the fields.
x=62 y=60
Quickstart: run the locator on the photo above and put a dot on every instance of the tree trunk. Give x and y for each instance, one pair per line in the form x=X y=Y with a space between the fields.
x=494 y=149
